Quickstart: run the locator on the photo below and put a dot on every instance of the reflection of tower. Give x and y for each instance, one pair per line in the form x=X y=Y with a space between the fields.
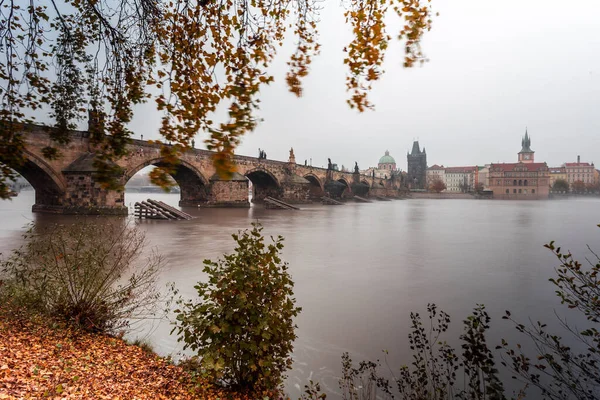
x=417 y=167
x=526 y=154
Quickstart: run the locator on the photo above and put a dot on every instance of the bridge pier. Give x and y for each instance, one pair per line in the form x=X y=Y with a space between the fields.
x=227 y=192
x=295 y=189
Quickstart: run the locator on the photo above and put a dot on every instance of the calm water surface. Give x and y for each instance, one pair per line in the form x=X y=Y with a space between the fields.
x=360 y=269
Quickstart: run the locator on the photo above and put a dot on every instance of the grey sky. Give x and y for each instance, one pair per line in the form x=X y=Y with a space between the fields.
x=495 y=67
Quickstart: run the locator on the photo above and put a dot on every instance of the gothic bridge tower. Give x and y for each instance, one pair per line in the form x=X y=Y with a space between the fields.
x=417 y=167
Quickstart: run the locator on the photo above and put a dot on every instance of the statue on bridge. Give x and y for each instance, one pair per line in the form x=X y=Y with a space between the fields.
x=292 y=158
x=356 y=171
x=261 y=154
x=329 y=164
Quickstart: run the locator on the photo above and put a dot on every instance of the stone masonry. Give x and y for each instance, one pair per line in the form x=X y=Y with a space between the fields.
x=67 y=185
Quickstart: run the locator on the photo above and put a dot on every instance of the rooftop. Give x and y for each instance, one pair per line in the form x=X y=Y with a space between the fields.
x=387 y=159
x=458 y=170
x=436 y=167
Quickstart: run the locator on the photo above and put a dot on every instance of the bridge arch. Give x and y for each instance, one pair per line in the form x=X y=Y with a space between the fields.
x=264 y=184
x=192 y=183
x=347 y=190
x=316 y=189
x=48 y=184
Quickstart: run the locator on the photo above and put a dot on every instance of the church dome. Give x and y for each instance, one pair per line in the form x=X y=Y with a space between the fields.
x=387 y=159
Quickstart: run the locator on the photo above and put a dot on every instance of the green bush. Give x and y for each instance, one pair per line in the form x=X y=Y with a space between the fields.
x=85 y=273
x=242 y=326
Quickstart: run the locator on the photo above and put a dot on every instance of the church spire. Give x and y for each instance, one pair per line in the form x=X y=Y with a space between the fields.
x=526 y=143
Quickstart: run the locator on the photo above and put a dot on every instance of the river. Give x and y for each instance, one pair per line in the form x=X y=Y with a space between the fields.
x=360 y=269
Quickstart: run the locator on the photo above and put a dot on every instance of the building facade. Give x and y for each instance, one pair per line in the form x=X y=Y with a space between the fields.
x=580 y=172
x=482 y=177
x=417 y=167
x=523 y=180
x=460 y=179
x=435 y=172
x=557 y=173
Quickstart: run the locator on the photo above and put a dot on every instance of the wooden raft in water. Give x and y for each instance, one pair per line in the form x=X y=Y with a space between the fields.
x=152 y=209
x=331 y=202
x=271 y=202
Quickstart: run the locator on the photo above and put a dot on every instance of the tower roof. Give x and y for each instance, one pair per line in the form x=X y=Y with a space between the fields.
x=387 y=159
x=415 y=148
x=526 y=143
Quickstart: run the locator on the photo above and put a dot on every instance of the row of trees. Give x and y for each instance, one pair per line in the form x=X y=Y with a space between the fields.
x=561 y=185
x=242 y=327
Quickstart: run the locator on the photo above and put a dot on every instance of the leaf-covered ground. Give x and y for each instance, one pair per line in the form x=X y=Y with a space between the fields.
x=37 y=361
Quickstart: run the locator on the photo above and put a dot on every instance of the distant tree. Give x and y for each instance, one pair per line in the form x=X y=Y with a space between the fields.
x=464 y=186
x=437 y=184
x=479 y=187
x=578 y=187
x=192 y=56
x=593 y=187
x=560 y=185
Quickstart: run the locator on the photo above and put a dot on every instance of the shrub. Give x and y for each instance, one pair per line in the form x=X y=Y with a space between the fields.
x=242 y=327
x=86 y=273
x=564 y=368
x=560 y=368
x=436 y=365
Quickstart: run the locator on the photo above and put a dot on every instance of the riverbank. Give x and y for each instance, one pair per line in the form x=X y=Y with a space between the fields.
x=41 y=359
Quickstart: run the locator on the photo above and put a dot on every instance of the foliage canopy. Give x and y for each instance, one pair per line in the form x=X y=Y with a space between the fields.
x=191 y=56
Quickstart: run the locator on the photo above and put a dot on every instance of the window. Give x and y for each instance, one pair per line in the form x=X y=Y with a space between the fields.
x=532 y=191
x=507 y=191
x=514 y=190
x=519 y=190
x=525 y=191
x=525 y=182
x=520 y=183
x=515 y=182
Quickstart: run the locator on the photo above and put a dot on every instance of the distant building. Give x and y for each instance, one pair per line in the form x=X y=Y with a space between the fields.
x=523 y=180
x=417 y=167
x=526 y=154
x=580 y=172
x=460 y=179
x=557 y=173
x=387 y=162
x=386 y=167
x=482 y=177
x=435 y=172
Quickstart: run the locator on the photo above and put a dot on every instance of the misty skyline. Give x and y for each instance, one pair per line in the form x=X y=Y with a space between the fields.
x=494 y=69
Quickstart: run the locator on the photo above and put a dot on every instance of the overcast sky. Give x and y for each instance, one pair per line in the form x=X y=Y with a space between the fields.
x=495 y=68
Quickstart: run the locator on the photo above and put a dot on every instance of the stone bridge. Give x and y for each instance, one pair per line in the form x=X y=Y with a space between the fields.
x=67 y=185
